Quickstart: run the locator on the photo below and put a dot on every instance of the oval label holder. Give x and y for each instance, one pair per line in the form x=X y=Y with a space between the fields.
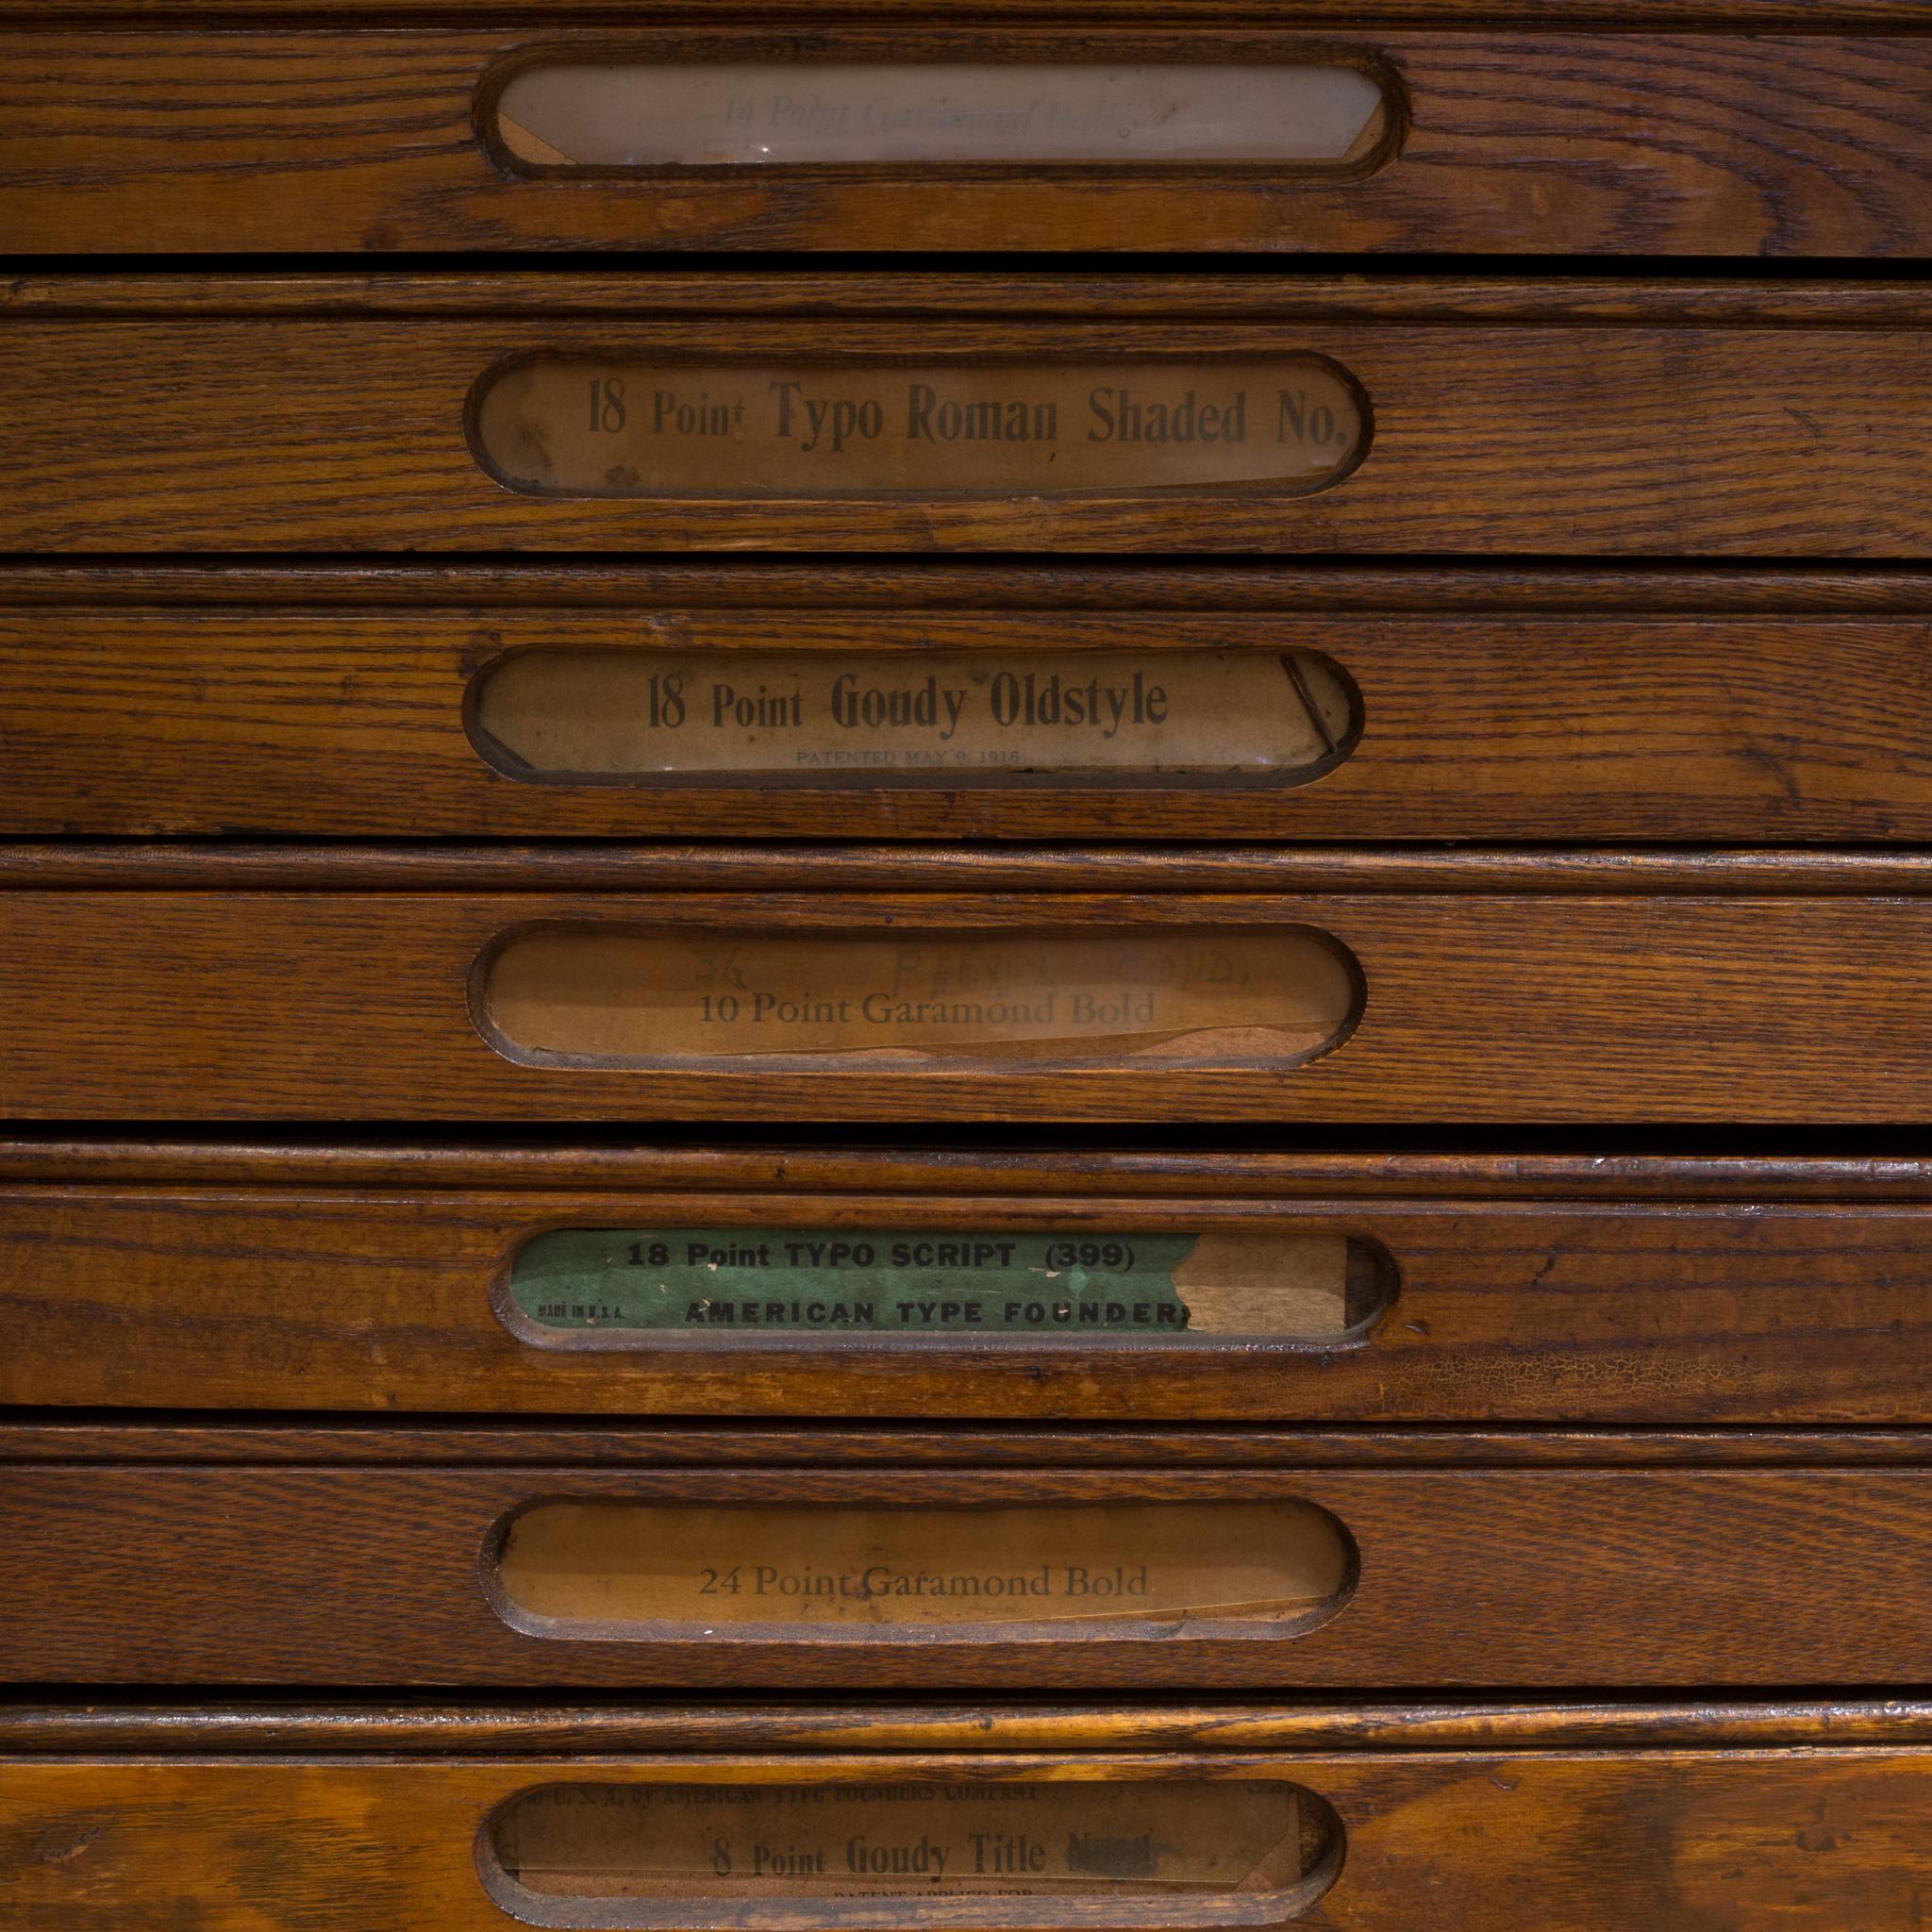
x=640 y=1288
x=718 y=431
x=639 y=1572
x=609 y=996
x=822 y=718
x=573 y=116
x=954 y=1850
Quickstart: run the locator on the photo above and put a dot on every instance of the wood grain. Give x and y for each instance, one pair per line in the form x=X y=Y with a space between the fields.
x=1627 y=140
x=199 y=1287
x=156 y=430
x=1478 y=1008
x=1722 y=1841
x=1147 y=868
x=334 y=703
x=356 y=1441
x=1671 y=14
x=1489 y=1578
x=425 y=1730
x=53 y=1436
x=1314 y=295
x=1594 y=1166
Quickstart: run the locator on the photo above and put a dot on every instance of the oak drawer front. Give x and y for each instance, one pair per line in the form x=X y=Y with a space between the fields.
x=948 y=701
x=1491 y=1839
x=581 y=1281
x=1347 y=1005
x=561 y=133
x=1036 y=415
x=406 y=1568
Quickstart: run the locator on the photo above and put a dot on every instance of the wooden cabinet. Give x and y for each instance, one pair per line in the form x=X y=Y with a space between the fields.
x=1018 y=912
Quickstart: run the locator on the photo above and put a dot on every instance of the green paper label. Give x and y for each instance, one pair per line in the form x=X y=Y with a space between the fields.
x=766 y=1281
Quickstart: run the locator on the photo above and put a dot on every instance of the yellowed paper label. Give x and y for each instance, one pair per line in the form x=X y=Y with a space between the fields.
x=1184 y=996
x=916 y=1840
x=574 y=426
x=862 y=717
x=1176 y=1564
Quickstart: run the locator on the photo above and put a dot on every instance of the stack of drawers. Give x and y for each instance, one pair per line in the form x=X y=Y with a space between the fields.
x=850 y=1083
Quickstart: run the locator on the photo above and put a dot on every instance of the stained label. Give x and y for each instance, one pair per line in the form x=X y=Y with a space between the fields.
x=628 y=114
x=920 y=1840
x=1274 y=1566
x=733 y=431
x=836 y=718
x=623 y=996
x=601 y=1286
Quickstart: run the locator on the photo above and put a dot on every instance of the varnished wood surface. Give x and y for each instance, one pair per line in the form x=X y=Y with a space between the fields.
x=1613 y=1169
x=1483 y=1841
x=1492 y=1842
x=332 y=704
x=1199 y=588
x=1516 y=139
x=143 y=429
x=528 y=1727
x=60 y=1436
x=1679 y=16
x=893 y=293
x=1507 y=1006
x=1494 y=1578
x=345 y=1297
x=427 y=867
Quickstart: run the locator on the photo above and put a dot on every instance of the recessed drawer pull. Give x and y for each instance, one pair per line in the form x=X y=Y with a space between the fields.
x=577 y=1288
x=957 y=1851
x=557 y=115
x=988 y=1815
x=859 y=718
x=1085 y=416
x=677 y=429
x=612 y=998
x=1009 y=1562
x=577 y=1569
x=1758 y=128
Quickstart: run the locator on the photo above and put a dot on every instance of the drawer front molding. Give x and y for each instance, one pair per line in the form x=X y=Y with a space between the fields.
x=1376 y=129
x=1487 y=1836
x=1491 y=1576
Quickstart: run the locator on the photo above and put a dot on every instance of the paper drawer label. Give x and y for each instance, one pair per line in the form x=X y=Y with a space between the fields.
x=1203 y=1846
x=573 y=425
x=865 y=717
x=565 y=1566
x=593 y=1285
x=617 y=114
x=616 y=996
